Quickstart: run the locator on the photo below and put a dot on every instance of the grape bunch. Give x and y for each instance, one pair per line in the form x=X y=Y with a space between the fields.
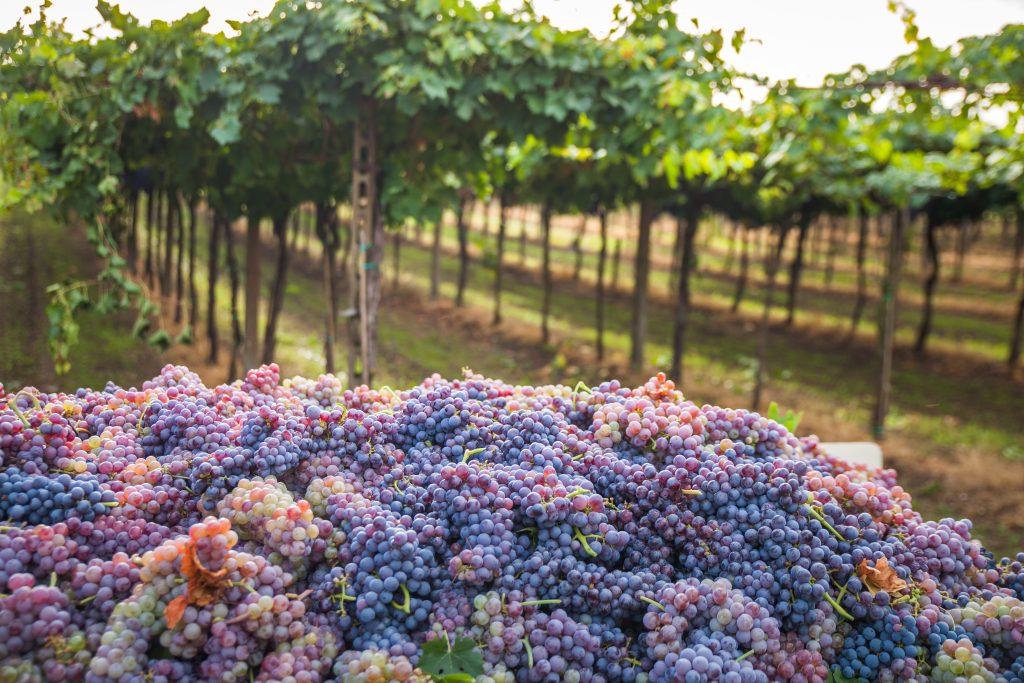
x=472 y=530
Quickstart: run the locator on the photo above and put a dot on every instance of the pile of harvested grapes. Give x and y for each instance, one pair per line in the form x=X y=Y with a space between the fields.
x=469 y=530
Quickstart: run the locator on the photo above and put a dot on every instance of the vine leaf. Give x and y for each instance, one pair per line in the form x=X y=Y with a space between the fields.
x=790 y=420
x=175 y=610
x=836 y=676
x=204 y=586
x=881 y=577
x=457 y=662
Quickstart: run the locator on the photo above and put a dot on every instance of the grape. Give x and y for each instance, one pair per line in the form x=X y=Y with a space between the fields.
x=38 y=499
x=295 y=530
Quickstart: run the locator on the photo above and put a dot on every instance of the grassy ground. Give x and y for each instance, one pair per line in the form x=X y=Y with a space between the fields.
x=972 y=315
x=956 y=432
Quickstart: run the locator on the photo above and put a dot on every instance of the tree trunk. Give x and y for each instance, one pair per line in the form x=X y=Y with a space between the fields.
x=344 y=263
x=179 y=271
x=1018 y=249
x=819 y=238
x=522 y=235
x=934 y=259
x=237 y=339
x=602 y=257
x=682 y=321
x=396 y=256
x=741 y=281
x=616 y=264
x=774 y=259
x=296 y=229
x=862 y=276
x=887 y=331
x=250 y=345
x=152 y=199
x=833 y=247
x=133 y=234
x=213 y=264
x=961 y=250
x=368 y=226
x=1018 y=333
x=352 y=285
x=577 y=248
x=193 y=295
x=309 y=225
x=732 y=234
x=545 y=310
x=435 y=263
x=276 y=302
x=796 y=270
x=641 y=275
x=168 y=254
x=678 y=248
x=326 y=228
x=499 y=266
x=462 y=228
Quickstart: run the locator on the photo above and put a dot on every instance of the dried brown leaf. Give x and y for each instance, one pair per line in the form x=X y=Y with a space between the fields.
x=881 y=577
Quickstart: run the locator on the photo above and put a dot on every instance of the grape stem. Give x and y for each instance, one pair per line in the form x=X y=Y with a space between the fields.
x=818 y=516
x=744 y=655
x=13 y=403
x=837 y=607
x=652 y=602
x=468 y=454
x=404 y=607
x=530 y=603
x=583 y=540
x=529 y=652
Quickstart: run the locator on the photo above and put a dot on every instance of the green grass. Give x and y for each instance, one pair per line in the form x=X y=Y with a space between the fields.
x=967 y=318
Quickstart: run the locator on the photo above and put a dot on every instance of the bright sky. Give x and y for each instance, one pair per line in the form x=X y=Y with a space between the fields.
x=802 y=39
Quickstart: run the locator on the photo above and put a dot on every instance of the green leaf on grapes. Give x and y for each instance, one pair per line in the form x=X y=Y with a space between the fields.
x=790 y=420
x=451 y=663
x=836 y=676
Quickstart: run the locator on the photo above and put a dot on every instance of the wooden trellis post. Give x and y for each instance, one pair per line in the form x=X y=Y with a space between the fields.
x=367 y=231
x=887 y=331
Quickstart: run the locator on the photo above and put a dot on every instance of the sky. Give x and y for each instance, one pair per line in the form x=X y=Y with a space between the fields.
x=802 y=39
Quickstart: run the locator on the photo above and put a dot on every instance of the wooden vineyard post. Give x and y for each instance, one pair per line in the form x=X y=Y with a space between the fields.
x=463 y=217
x=641 y=274
x=367 y=229
x=887 y=331
x=774 y=260
x=250 y=339
x=545 y=229
x=602 y=257
x=687 y=245
x=616 y=260
x=499 y=265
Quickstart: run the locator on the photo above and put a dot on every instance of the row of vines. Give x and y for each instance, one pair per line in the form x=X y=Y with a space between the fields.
x=357 y=118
